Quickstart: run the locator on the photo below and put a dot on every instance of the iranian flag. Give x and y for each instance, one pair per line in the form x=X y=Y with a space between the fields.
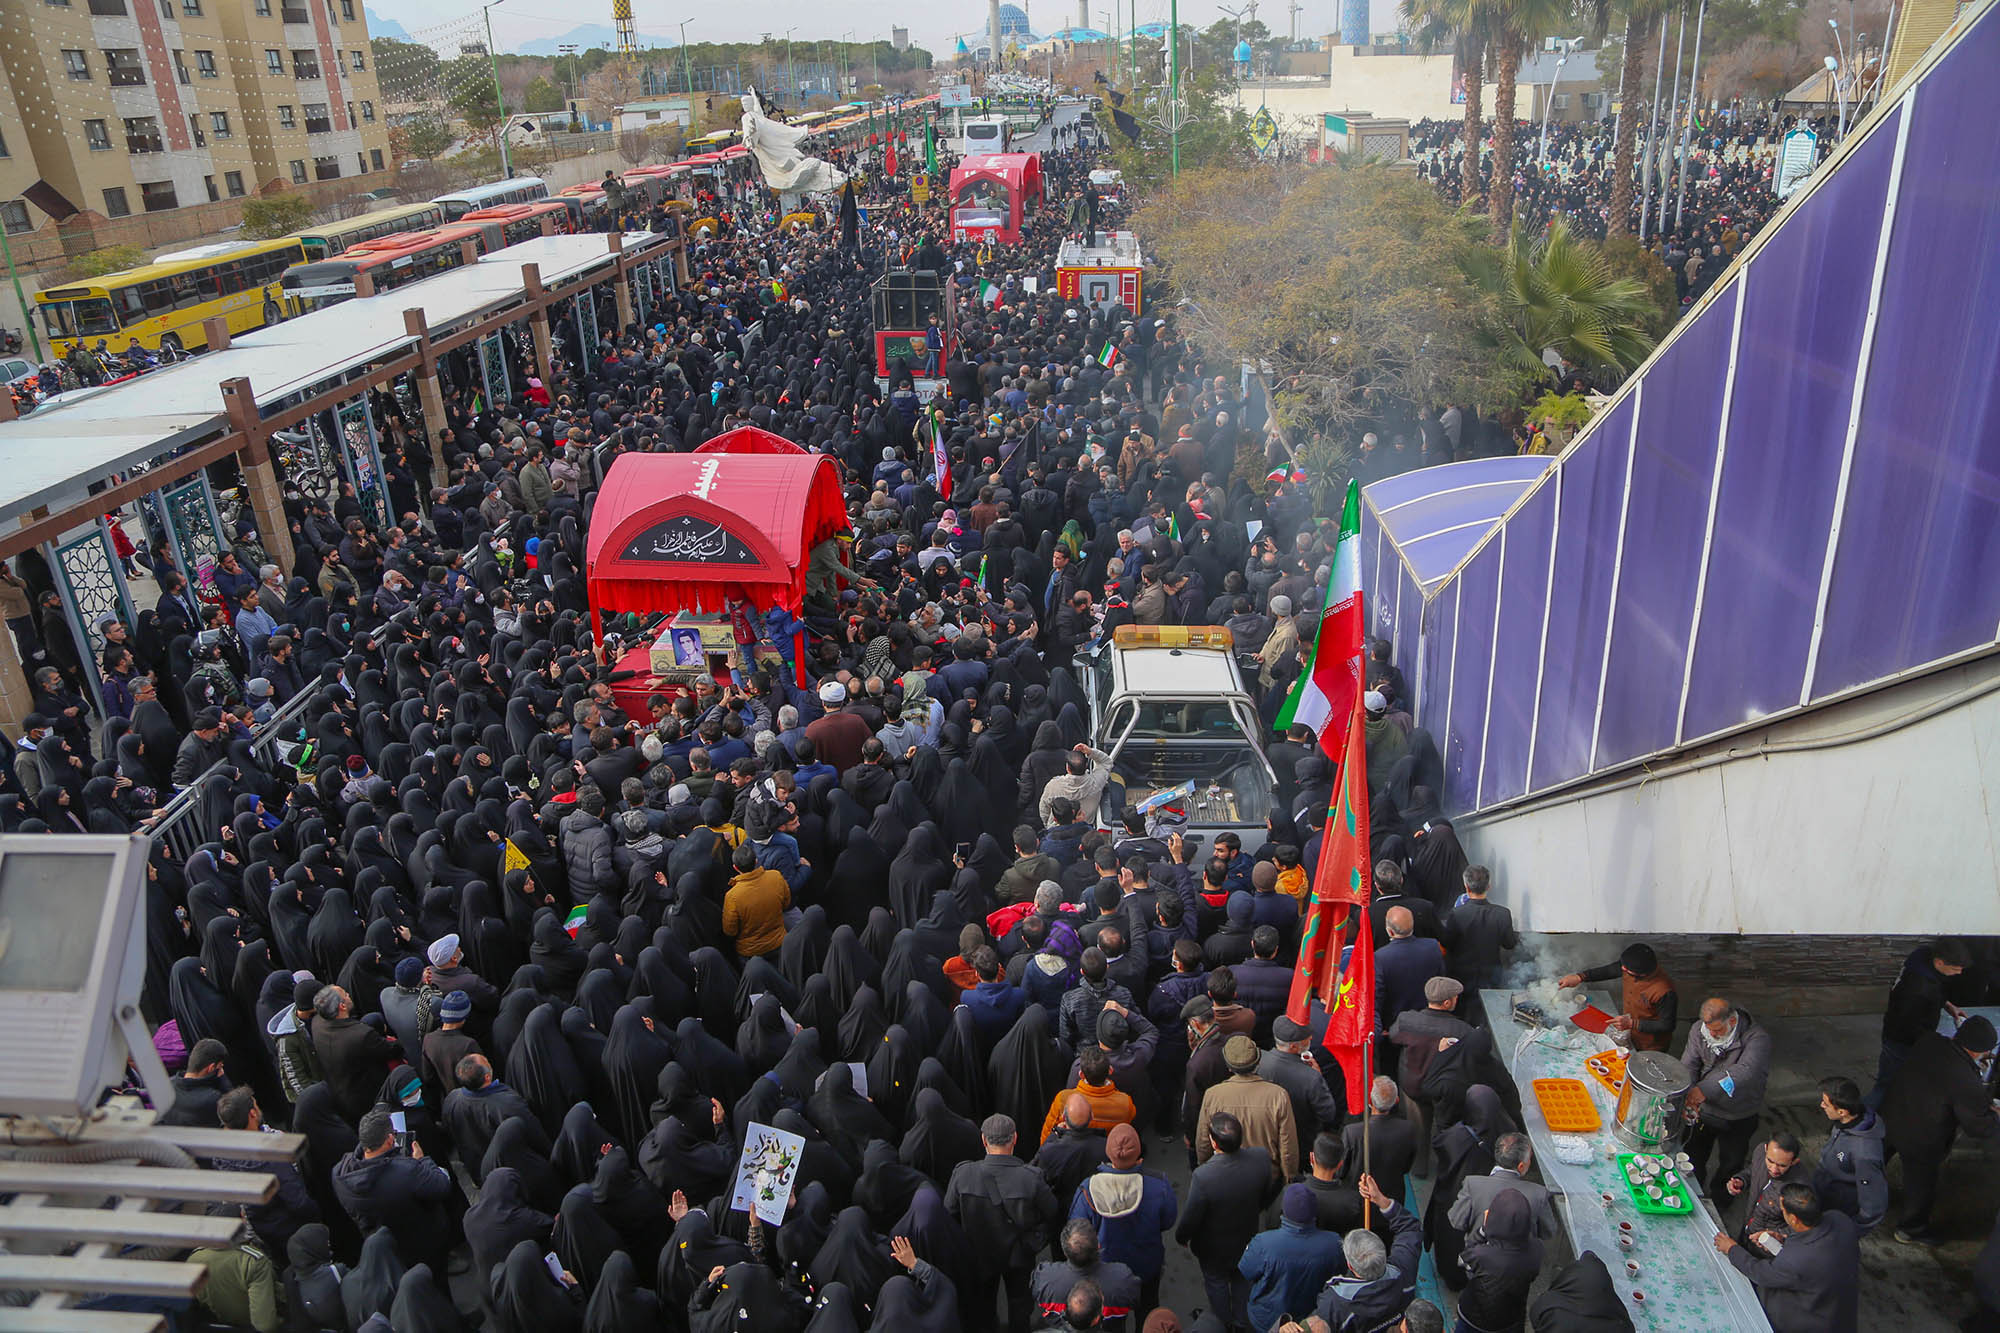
x=989 y=292
x=1340 y=888
x=1108 y=357
x=1330 y=686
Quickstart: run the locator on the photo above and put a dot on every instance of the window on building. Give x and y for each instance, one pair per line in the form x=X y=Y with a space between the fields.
x=194 y=127
x=114 y=203
x=347 y=11
x=180 y=67
x=123 y=68
x=361 y=163
x=368 y=112
x=298 y=171
x=326 y=168
x=375 y=158
x=274 y=61
x=287 y=118
x=191 y=8
x=263 y=9
x=167 y=10
x=1561 y=101
x=233 y=182
x=96 y=135
x=58 y=4
x=76 y=63
x=219 y=122
x=305 y=64
x=110 y=9
x=158 y=196
x=350 y=114
x=204 y=64
x=359 y=59
x=3 y=145
x=317 y=119
x=296 y=14
x=214 y=195
x=14 y=217
x=142 y=135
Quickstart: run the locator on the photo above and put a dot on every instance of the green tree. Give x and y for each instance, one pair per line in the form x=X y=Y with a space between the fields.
x=542 y=96
x=111 y=259
x=280 y=214
x=1216 y=133
x=1348 y=281
x=1461 y=27
x=1559 y=292
x=469 y=84
x=407 y=71
x=420 y=139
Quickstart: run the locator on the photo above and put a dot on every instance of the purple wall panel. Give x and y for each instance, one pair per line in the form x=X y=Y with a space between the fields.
x=1374 y=551
x=1435 y=686
x=1524 y=588
x=1593 y=480
x=1914 y=579
x=1805 y=305
x=1672 y=473
x=1479 y=585
x=1409 y=615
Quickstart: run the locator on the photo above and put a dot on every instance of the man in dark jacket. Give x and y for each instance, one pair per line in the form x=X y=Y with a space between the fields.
x=278 y=1219
x=1068 y=1156
x=1852 y=1176
x=586 y=846
x=1019 y=881
x=1477 y=935
x=1291 y=1065
x=198 y=1090
x=1381 y=1280
x=1417 y=1032
x=1226 y=1195
x=1006 y=1203
x=1076 y=1021
x=1287 y=1266
x=447 y=1047
x=1263 y=984
x=1814 y=1283
x=1132 y=1209
x=353 y=1054
x=381 y=1187
x=474 y=1109
x=1919 y=995
x=449 y=974
x=1053 y=1281
x=1403 y=963
x=1936 y=1095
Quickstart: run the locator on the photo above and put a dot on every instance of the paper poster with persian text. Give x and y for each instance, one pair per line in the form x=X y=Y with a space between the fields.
x=764 y=1175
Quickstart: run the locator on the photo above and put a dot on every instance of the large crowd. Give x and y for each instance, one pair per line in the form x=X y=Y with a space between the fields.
x=899 y=911
x=1729 y=194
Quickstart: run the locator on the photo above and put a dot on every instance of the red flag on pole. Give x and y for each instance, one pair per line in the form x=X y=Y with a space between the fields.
x=1340 y=885
x=889 y=164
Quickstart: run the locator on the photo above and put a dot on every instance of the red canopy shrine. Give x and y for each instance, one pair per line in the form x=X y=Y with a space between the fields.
x=736 y=520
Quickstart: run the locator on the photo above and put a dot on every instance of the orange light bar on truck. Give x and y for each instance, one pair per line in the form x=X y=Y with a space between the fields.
x=1172 y=636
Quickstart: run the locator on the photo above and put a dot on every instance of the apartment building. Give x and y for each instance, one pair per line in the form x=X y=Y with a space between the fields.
x=125 y=107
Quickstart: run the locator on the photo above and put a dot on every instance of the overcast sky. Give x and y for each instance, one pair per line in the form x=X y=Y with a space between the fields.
x=932 y=26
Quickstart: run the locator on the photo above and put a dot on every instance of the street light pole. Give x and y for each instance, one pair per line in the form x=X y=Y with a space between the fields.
x=1687 y=129
x=1673 y=104
x=791 y=68
x=1652 y=132
x=1542 y=148
x=499 y=94
x=1174 y=83
x=687 y=71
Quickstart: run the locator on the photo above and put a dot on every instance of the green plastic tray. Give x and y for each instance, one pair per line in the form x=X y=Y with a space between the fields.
x=1637 y=1193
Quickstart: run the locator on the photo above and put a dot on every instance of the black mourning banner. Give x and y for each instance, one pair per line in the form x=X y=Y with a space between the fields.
x=684 y=539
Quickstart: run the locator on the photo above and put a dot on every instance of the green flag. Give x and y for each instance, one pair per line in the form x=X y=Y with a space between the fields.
x=930 y=148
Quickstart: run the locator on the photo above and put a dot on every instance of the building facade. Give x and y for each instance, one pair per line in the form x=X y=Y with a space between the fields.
x=130 y=107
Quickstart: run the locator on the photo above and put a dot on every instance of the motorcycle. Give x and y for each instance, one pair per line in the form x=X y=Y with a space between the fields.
x=10 y=342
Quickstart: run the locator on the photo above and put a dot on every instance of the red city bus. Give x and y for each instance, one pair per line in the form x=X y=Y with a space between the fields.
x=521 y=222
x=388 y=262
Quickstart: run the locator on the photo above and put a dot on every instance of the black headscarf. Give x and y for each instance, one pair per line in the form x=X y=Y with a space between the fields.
x=634 y=1054
x=420 y=1306
x=1027 y=1067
x=619 y=1303
x=501 y=1218
x=523 y=1298
x=855 y=1255
x=370 y=1288
x=938 y=1138
x=886 y=1185
x=847 y=1119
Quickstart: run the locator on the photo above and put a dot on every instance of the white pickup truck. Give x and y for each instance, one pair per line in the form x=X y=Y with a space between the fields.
x=1168 y=705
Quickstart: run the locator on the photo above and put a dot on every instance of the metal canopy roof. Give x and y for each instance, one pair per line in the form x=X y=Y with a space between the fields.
x=1436 y=515
x=56 y=452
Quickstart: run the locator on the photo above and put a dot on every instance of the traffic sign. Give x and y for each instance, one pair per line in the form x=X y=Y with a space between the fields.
x=1263 y=129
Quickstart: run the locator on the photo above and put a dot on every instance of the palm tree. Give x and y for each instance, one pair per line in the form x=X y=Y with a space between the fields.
x=1555 y=291
x=1517 y=25
x=1640 y=18
x=1459 y=25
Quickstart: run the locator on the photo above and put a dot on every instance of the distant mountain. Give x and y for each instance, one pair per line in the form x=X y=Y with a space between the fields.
x=585 y=37
x=381 y=27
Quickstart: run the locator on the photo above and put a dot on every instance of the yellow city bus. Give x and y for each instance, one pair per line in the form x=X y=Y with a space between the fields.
x=163 y=305
x=327 y=241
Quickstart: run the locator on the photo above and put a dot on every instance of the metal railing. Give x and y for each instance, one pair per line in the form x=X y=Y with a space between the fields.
x=179 y=824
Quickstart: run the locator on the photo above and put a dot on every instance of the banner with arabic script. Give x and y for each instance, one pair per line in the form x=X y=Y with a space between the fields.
x=684 y=539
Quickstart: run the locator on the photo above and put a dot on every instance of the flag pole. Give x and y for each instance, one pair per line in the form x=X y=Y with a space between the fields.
x=1367 y=1113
